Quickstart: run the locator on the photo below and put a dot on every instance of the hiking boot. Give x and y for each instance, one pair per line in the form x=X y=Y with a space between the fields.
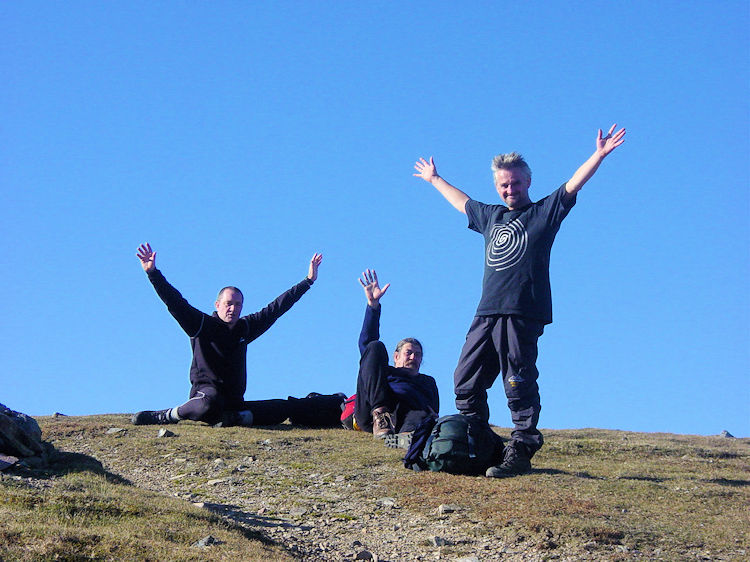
x=150 y=417
x=399 y=440
x=516 y=461
x=382 y=423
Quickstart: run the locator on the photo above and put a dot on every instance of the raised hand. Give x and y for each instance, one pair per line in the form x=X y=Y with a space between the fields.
x=312 y=272
x=605 y=145
x=425 y=170
x=147 y=257
x=370 y=284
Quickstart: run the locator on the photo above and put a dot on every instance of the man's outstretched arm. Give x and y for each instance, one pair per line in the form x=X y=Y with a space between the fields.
x=189 y=318
x=371 y=324
x=428 y=172
x=604 y=145
x=258 y=322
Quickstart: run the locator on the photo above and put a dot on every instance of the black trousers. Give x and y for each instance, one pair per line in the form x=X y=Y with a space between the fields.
x=207 y=405
x=504 y=344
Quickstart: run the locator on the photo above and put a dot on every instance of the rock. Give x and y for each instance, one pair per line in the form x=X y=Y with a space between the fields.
x=206 y=541
x=447 y=508
x=217 y=481
x=726 y=434
x=163 y=432
x=468 y=559
x=6 y=461
x=297 y=511
x=438 y=541
x=386 y=502
x=113 y=430
x=20 y=435
x=58 y=415
x=366 y=555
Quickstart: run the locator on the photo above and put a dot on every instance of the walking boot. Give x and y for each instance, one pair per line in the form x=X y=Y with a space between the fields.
x=382 y=423
x=516 y=461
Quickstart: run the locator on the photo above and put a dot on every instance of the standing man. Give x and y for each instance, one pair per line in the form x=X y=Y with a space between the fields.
x=389 y=399
x=516 y=301
x=218 y=373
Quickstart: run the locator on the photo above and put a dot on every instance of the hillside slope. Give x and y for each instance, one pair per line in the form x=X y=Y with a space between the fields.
x=118 y=491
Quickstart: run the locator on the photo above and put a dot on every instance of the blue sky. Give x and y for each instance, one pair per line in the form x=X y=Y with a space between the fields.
x=238 y=138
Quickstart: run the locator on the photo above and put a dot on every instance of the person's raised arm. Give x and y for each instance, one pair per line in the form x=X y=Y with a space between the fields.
x=428 y=172
x=371 y=324
x=189 y=318
x=604 y=145
x=258 y=322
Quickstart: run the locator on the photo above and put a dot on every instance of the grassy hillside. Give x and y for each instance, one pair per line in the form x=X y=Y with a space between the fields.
x=288 y=493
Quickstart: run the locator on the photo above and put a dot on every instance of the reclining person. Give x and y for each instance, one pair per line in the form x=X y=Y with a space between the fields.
x=389 y=399
x=218 y=373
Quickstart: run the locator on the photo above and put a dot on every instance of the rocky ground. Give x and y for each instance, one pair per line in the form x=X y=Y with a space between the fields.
x=326 y=495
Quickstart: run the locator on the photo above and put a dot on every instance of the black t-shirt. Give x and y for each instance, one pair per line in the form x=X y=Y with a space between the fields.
x=516 y=257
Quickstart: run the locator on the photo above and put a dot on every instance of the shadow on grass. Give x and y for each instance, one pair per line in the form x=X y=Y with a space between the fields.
x=728 y=482
x=62 y=463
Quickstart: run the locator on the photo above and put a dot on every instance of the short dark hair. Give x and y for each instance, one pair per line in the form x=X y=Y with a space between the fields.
x=233 y=288
x=412 y=341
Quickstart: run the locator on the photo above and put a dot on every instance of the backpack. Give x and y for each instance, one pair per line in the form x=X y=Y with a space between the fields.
x=460 y=444
x=316 y=410
x=347 y=413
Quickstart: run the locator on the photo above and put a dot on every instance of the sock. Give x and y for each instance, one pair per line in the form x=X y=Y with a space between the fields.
x=173 y=415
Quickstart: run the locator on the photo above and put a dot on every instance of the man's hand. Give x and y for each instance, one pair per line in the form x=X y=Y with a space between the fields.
x=312 y=272
x=147 y=257
x=604 y=145
x=426 y=170
x=607 y=144
x=370 y=284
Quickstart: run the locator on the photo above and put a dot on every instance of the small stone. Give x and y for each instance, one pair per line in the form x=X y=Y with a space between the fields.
x=726 y=434
x=165 y=433
x=297 y=511
x=468 y=559
x=438 y=541
x=217 y=481
x=262 y=511
x=199 y=504
x=58 y=415
x=386 y=502
x=366 y=555
x=447 y=508
x=113 y=430
x=206 y=541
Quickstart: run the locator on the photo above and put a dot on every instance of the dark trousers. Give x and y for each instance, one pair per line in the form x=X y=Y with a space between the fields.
x=507 y=344
x=207 y=405
x=373 y=390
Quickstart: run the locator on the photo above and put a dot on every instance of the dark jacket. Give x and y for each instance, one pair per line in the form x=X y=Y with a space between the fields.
x=219 y=352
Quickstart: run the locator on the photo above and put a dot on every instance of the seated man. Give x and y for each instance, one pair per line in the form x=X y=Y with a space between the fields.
x=218 y=373
x=390 y=399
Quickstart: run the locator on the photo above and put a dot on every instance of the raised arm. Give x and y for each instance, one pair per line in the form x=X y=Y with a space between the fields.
x=604 y=145
x=371 y=324
x=258 y=322
x=188 y=317
x=428 y=172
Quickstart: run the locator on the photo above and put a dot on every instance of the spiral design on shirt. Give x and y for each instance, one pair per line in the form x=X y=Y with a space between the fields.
x=507 y=245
